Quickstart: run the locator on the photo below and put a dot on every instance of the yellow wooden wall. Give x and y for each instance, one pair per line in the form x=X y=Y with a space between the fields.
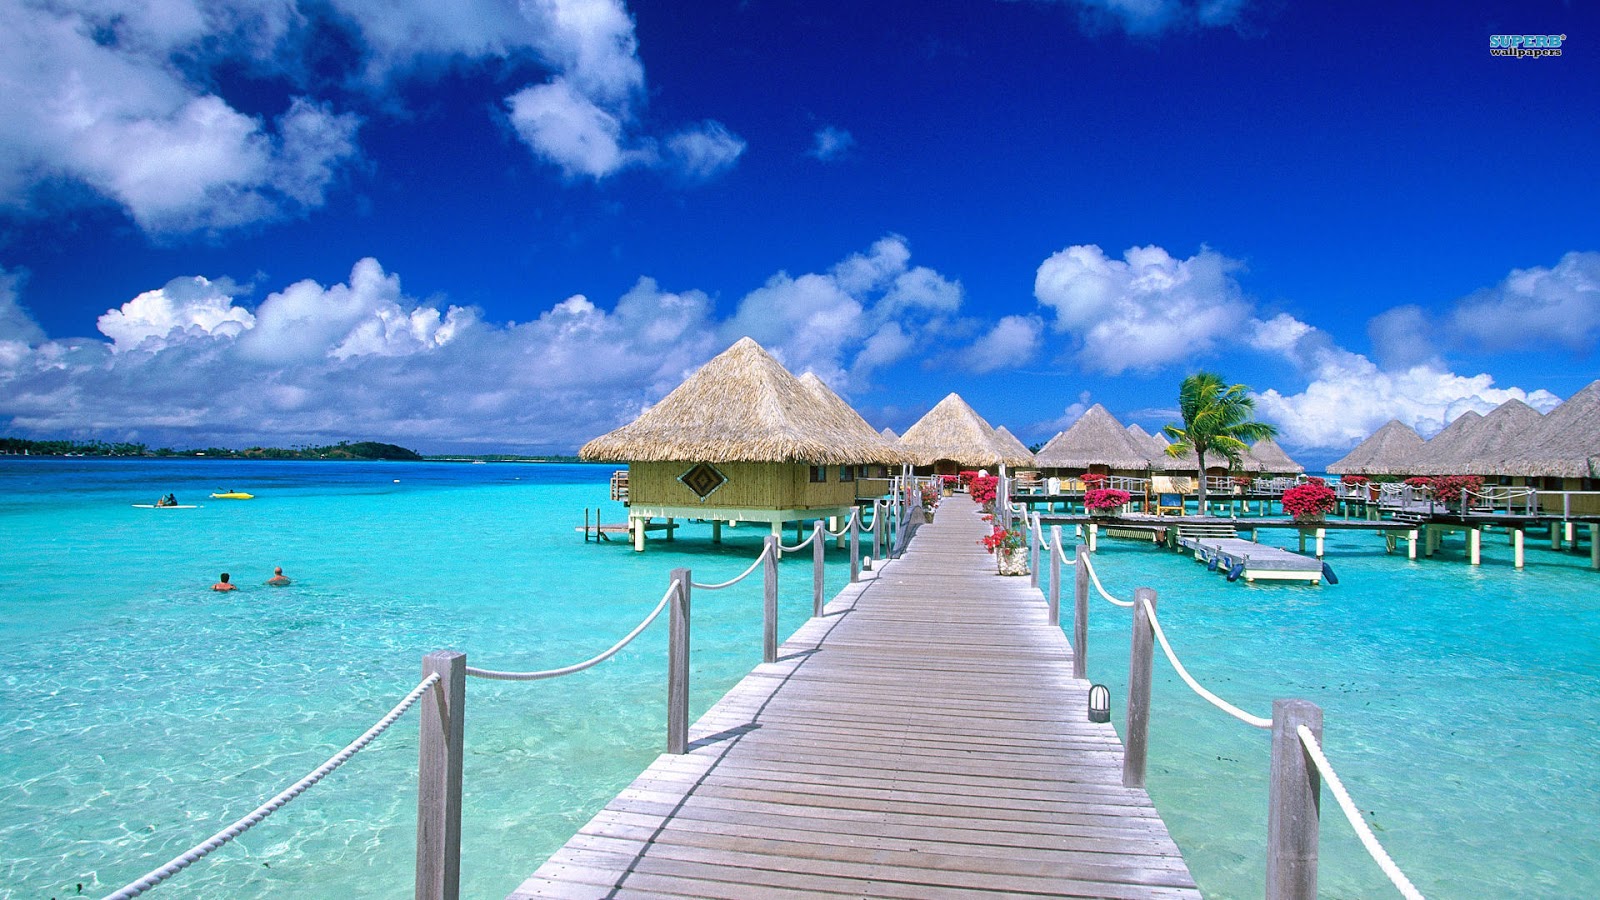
x=749 y=486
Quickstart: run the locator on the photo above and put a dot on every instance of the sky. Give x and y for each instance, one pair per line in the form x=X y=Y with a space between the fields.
x=487 y=226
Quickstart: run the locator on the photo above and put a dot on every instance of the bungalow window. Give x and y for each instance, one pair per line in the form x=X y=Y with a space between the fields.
x=847 y=473
x=819 y=474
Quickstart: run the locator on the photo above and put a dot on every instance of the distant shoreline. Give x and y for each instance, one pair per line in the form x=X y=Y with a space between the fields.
x=362 y=451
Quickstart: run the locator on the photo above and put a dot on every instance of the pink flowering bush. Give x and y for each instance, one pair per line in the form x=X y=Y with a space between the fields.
x=983 y=488
x=1105 y=499
x=1308 y=501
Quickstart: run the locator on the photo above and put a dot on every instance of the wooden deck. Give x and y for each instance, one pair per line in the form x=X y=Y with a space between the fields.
x=923 y=740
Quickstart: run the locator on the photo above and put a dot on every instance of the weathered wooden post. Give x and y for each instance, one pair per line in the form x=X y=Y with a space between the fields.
x=439 y=757
x=1055 y=574
x=1295 y=798
x=816 y=568
x=1032 y=524
x=855 y=545
x=1141 y=657
x=678 y=666
x=1080 y=615
x=769 y=605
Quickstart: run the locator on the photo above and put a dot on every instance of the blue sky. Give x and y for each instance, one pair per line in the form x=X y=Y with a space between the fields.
x=511 y=227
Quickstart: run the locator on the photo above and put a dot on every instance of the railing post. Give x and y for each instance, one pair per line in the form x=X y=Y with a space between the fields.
x=769 y=606
x=439 y=777
x=1032 y=522
x=855 y=545
x=1080 y=615
x=816 y=568
x=1140 y=660
x=678 y=666
x=879 y=508
x=1295 y=797
x=1055 y=574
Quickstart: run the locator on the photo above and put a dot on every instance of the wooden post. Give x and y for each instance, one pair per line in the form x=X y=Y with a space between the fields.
x=816 y=568
x=855 y=545
x=1321 y=534
x=1411 y=544
x=1141 y=658
x=1555 y=535
x=671 y=529
x=1474 y=544
x=678 y=666
x=1080 y=615
x=638 y=533
x=716 y=531
x=439 y=777
x=1031 y=522
x=1516 y=546
x=1295 y=801
x=586 y=524
x=769 y=606
x=1055 y=574
x=1594 y=546
x=878 y=518
x=777 y=532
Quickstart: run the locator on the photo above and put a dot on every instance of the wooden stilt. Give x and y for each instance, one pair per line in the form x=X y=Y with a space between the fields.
x=1411 y=544
x=638 y=533
x=1555 y=535
x=1594 y=546
x=1321 y=534
x=716 y=531
x=1516 y=545
x=1474 y=542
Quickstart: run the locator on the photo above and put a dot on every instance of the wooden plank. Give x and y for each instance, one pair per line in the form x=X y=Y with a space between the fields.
x=923 y=738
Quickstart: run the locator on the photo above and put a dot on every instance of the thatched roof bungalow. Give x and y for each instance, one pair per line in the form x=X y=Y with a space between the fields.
x=952 y=436
x=1447 y=443
x=1017 y=446
x=1394 y=449
x=1564 y=446
x=1270 y=459
x=742 y=440
x=1097 y=442
x=1483 y=447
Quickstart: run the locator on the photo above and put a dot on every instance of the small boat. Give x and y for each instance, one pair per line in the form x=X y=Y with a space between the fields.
x=165 y=506
x=231 y=495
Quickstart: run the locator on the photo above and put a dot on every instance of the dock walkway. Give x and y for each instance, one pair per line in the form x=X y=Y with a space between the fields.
x=923 y=739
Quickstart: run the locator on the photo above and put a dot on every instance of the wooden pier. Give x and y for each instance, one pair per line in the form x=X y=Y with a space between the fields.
x=922 y=739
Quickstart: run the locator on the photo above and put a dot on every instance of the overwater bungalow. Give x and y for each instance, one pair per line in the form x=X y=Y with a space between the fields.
x=1097 y=443
x=952 y=437
x=1447 y=444
x=872 y=479
x=741 y=440
x=1394 y=449
x=1270 y=460
x=1482 y=447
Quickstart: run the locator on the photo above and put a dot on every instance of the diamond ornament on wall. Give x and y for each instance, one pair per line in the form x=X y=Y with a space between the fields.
x=703 y=479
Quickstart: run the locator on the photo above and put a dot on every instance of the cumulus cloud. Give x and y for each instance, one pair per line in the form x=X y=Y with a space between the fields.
x=702 y=152
x=195 y=361
x=1012 y=342
x=1535 y=308
x=829 y=143
x=567 y=129
x=1144 y=311
x=1073 y=412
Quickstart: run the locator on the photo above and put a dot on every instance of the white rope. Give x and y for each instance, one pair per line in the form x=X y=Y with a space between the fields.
x=1095 y=577
x=1218 y=702
x=800 y=546
x=579 y=667
x=1353 y=814
x=732 y=581
x=843 y=529
x=201 y=850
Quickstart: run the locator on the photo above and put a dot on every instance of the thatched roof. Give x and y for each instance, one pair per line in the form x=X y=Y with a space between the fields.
x=742 y=406
x=1565 y=443
x=953 y=431
x=1446 y=444
x=1161 y=462
x=1017 y=446
x=1096 y=439
x=889 y=435
x=851 y=420
x=1272 y=460
x=1394 y=449
x=1482 y=447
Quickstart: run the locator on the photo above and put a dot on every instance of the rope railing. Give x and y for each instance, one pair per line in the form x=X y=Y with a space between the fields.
x=204 y=848
x=1197 y=687
x=1353 y=814
x=588 y=663
x=800 y=546
x=1094 y=577
x=845 y=528
x=735 y=579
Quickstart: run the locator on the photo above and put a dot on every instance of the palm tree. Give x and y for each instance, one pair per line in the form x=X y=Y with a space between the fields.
x=1217 y=418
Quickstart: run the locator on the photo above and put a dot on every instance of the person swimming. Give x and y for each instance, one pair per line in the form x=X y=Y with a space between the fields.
x=278 y=579
x=224 y=585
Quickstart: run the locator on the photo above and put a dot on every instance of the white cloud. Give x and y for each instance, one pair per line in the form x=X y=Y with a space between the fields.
x=1535 y=308
x=1151 y=17
x=184 y=309
x=829 y=143
x=1402 y=337
x=1073 y=412
x=702 y=152
x=1145 y=311
x=566 y=128
x=1012 y=342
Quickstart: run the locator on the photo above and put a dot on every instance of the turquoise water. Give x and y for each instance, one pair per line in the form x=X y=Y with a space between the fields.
x=1461 y=708
x=144 y=712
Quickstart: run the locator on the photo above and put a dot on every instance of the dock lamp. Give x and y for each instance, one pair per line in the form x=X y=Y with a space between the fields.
x=1099 y=703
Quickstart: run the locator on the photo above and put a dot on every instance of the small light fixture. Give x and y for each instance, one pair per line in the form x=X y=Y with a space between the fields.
x=866 y=563
x=1099 y=703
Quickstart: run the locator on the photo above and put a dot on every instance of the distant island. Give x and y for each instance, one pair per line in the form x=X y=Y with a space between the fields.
x=345 y=450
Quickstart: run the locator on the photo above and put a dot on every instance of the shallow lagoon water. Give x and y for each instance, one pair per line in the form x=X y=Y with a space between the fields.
x=145 y=712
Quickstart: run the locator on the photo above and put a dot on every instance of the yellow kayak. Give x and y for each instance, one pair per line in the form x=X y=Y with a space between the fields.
x=232 y=495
